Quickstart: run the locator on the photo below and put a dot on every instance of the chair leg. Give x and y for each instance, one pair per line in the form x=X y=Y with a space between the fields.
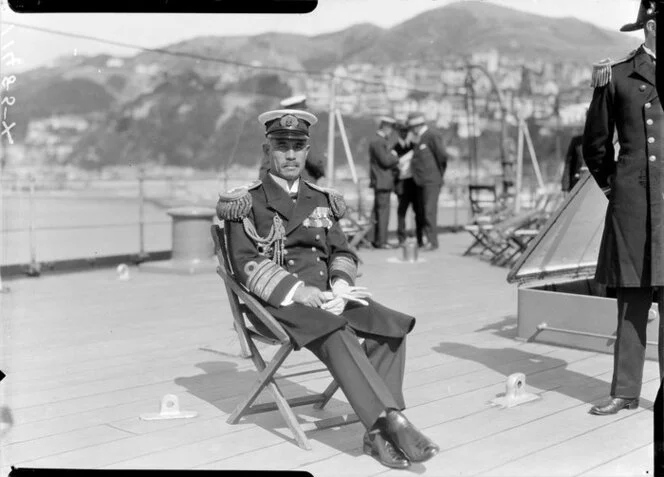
x=245 y=352
x=266 y=374
x=327 y=395
x=266 y=380
x=289 y=415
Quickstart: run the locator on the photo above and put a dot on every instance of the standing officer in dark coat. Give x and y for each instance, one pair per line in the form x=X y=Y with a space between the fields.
x=314 y=168
x=381 y=175
x=287 y=247
x=631 y=256
x=428 y=166
x=404 y=185
x=574 y=163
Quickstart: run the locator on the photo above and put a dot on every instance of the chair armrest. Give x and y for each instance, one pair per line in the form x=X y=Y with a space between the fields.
x=255 y=306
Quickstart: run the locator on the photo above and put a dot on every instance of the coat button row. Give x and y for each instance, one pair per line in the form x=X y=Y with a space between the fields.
x=652 y=158
x=651 y=140
x=321 y=273
x=291 y=262
x=649 y=122
x=647 y=105
x=642 y=87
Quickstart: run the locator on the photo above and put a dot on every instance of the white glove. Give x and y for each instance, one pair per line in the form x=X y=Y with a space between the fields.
x=341 y=288
x=336 y=305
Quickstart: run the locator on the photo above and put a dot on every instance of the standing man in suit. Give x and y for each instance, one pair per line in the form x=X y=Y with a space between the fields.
x=314 y=168
x=631 y=256
x=428 y=166
x=381 y=174
x=404 y=186
x=287 y=247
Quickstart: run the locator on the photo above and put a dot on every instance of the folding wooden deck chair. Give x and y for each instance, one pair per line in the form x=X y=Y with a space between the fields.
x=486 y=209
x=356 y=226
x=253 y=323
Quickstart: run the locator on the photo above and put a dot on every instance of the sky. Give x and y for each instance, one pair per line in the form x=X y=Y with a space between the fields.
x=159 y=30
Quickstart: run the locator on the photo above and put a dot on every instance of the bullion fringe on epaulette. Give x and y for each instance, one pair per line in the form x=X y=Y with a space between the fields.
x=337 y=202
x=338 y=205
x=236 y=204
x=601 y=75
x=235 y=209
x=274 y=244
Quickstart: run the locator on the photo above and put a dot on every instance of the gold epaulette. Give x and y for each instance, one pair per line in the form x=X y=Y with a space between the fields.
x=601 y=75
x=236 y=203
x=337 y=201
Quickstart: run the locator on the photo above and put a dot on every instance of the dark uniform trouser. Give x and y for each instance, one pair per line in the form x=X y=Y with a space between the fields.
x=381 y=216
x=630 y=348
x=407 y=197
x=370 y=375
x=428 y=201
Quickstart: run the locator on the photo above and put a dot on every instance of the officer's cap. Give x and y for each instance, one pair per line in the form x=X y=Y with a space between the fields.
x=415 y=119
x=647 y=11
x=294 y=102
x=293 y=123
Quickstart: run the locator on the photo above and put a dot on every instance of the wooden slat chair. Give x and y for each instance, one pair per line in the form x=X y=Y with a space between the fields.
x=253 y=323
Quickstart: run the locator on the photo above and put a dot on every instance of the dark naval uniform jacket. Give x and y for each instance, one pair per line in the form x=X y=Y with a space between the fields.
x=625 y=100
x=381 y=164
x=315 y=251
x=429 y=159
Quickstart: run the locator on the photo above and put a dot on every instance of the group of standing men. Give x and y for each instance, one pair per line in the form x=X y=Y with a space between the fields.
x=413 y=167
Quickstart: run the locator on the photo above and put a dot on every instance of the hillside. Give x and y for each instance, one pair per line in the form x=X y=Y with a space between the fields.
x=175 y=109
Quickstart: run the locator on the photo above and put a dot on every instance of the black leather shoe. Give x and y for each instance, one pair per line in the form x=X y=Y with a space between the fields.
x=613 y=405
x=414 y=445
x=383 y=451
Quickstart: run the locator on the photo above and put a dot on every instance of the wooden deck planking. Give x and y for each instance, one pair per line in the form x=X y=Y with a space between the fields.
x=130 y=348
x=630 y=464
x=480 y=377
x=586 y=450
x=486 y=422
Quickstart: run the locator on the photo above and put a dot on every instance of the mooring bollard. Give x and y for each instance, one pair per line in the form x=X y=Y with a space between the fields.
x=191 y=233
x=192 y=248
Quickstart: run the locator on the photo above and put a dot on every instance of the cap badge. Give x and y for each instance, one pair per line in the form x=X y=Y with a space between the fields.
x=288 y=121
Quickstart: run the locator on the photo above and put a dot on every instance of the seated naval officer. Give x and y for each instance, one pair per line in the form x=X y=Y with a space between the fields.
x=314 y=168
x=287 y=247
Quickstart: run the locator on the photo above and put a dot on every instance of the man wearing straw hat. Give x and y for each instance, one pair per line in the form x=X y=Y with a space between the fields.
x=631 y=256
x=428 y=167
x=314 y=168
x=287 y=247
x=381 y=174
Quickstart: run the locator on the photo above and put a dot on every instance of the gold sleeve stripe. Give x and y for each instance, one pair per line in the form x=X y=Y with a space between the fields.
x=265 y=278
x=345 y=265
